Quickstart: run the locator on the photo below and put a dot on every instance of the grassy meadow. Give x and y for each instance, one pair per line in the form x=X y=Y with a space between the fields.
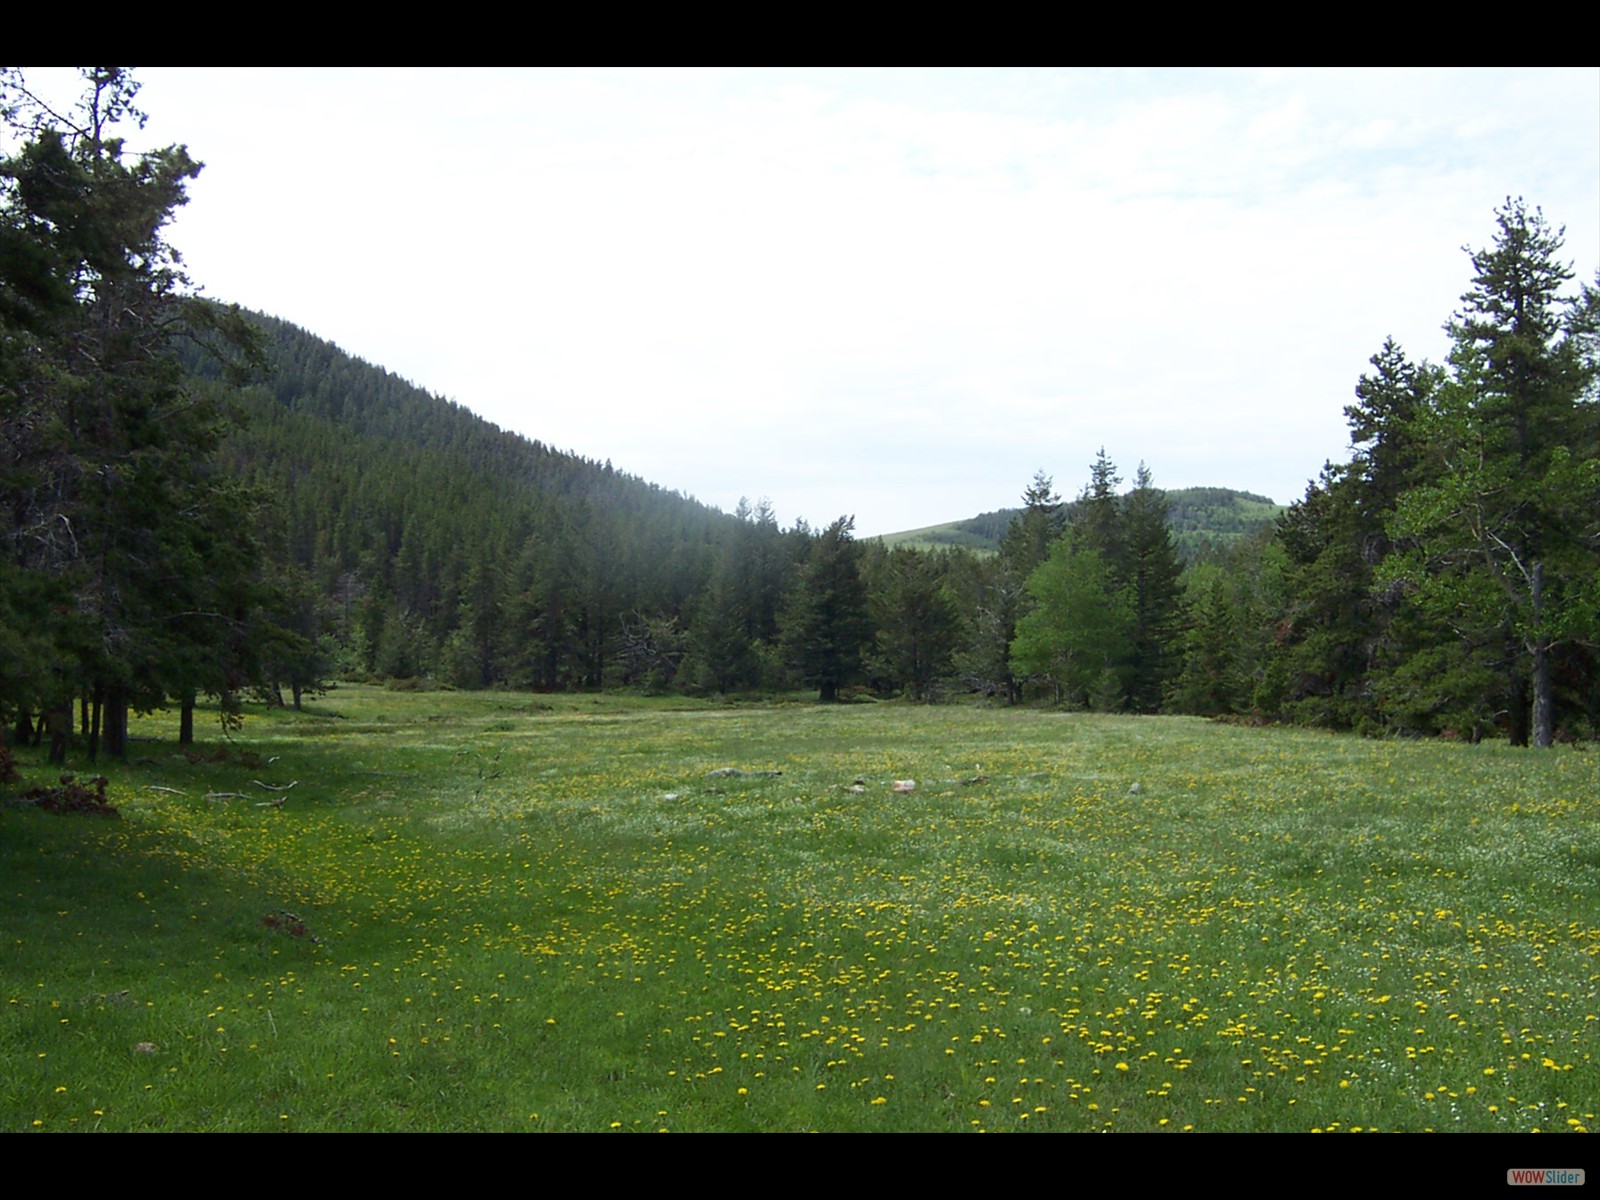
x=493 y=911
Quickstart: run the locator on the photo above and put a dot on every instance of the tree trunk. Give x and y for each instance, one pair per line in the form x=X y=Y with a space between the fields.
x=58 y=720
x=116 y=722
x=93 y=726
x=1519 y=711
x=186 y=720
x=1544 y=715
x=296 y=689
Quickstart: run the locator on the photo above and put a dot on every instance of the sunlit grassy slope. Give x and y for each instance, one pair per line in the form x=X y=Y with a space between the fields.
x=537 y=913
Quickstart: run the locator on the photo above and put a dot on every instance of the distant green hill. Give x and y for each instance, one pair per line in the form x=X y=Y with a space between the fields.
x=1201 y=518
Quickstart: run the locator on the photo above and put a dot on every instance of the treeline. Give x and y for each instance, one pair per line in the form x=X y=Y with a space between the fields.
x=170 y=530
x=417 y=542
x=1446 y=581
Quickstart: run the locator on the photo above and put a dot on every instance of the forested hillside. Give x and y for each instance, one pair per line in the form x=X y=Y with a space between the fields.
x=427 y=542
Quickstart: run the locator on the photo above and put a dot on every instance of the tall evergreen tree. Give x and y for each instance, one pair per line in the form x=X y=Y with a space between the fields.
x=1097 y=516
x=113 y=491
x=1035 y=529
x=828 y=624
x=1504 y=543
x=1355 y=651
x=997 y=589
x=1152 y=572
x=721 y=659
x=919 y=627
x=1210 y=681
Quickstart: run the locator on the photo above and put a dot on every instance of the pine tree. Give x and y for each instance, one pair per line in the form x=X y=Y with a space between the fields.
x=1002 y=597
x=1097 y=516
x=1152 y=573
x=719 y=642
x=1034 y=530
x=827 y=624
x=113 y=494
x=1209 y=682
x=919 y=627
x=1503 y=544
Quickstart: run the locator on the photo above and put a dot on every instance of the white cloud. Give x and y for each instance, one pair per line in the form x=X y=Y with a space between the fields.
x=895 y=294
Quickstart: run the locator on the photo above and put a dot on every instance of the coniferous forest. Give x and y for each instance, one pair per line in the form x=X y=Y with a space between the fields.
x=200 y=501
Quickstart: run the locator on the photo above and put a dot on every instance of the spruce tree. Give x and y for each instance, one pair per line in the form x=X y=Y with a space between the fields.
x=1151 y=571
x=114 y=495
x=1034 y=530
x=1503 y=542
x=828 y=625
x=918 y=625
x=1002 y=597
x=1097 y=516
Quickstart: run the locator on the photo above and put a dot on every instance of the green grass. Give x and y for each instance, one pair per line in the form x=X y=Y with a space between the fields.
x=541 y=913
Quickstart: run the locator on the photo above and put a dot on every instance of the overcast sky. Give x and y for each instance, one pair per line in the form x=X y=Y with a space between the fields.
x=889 y=294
